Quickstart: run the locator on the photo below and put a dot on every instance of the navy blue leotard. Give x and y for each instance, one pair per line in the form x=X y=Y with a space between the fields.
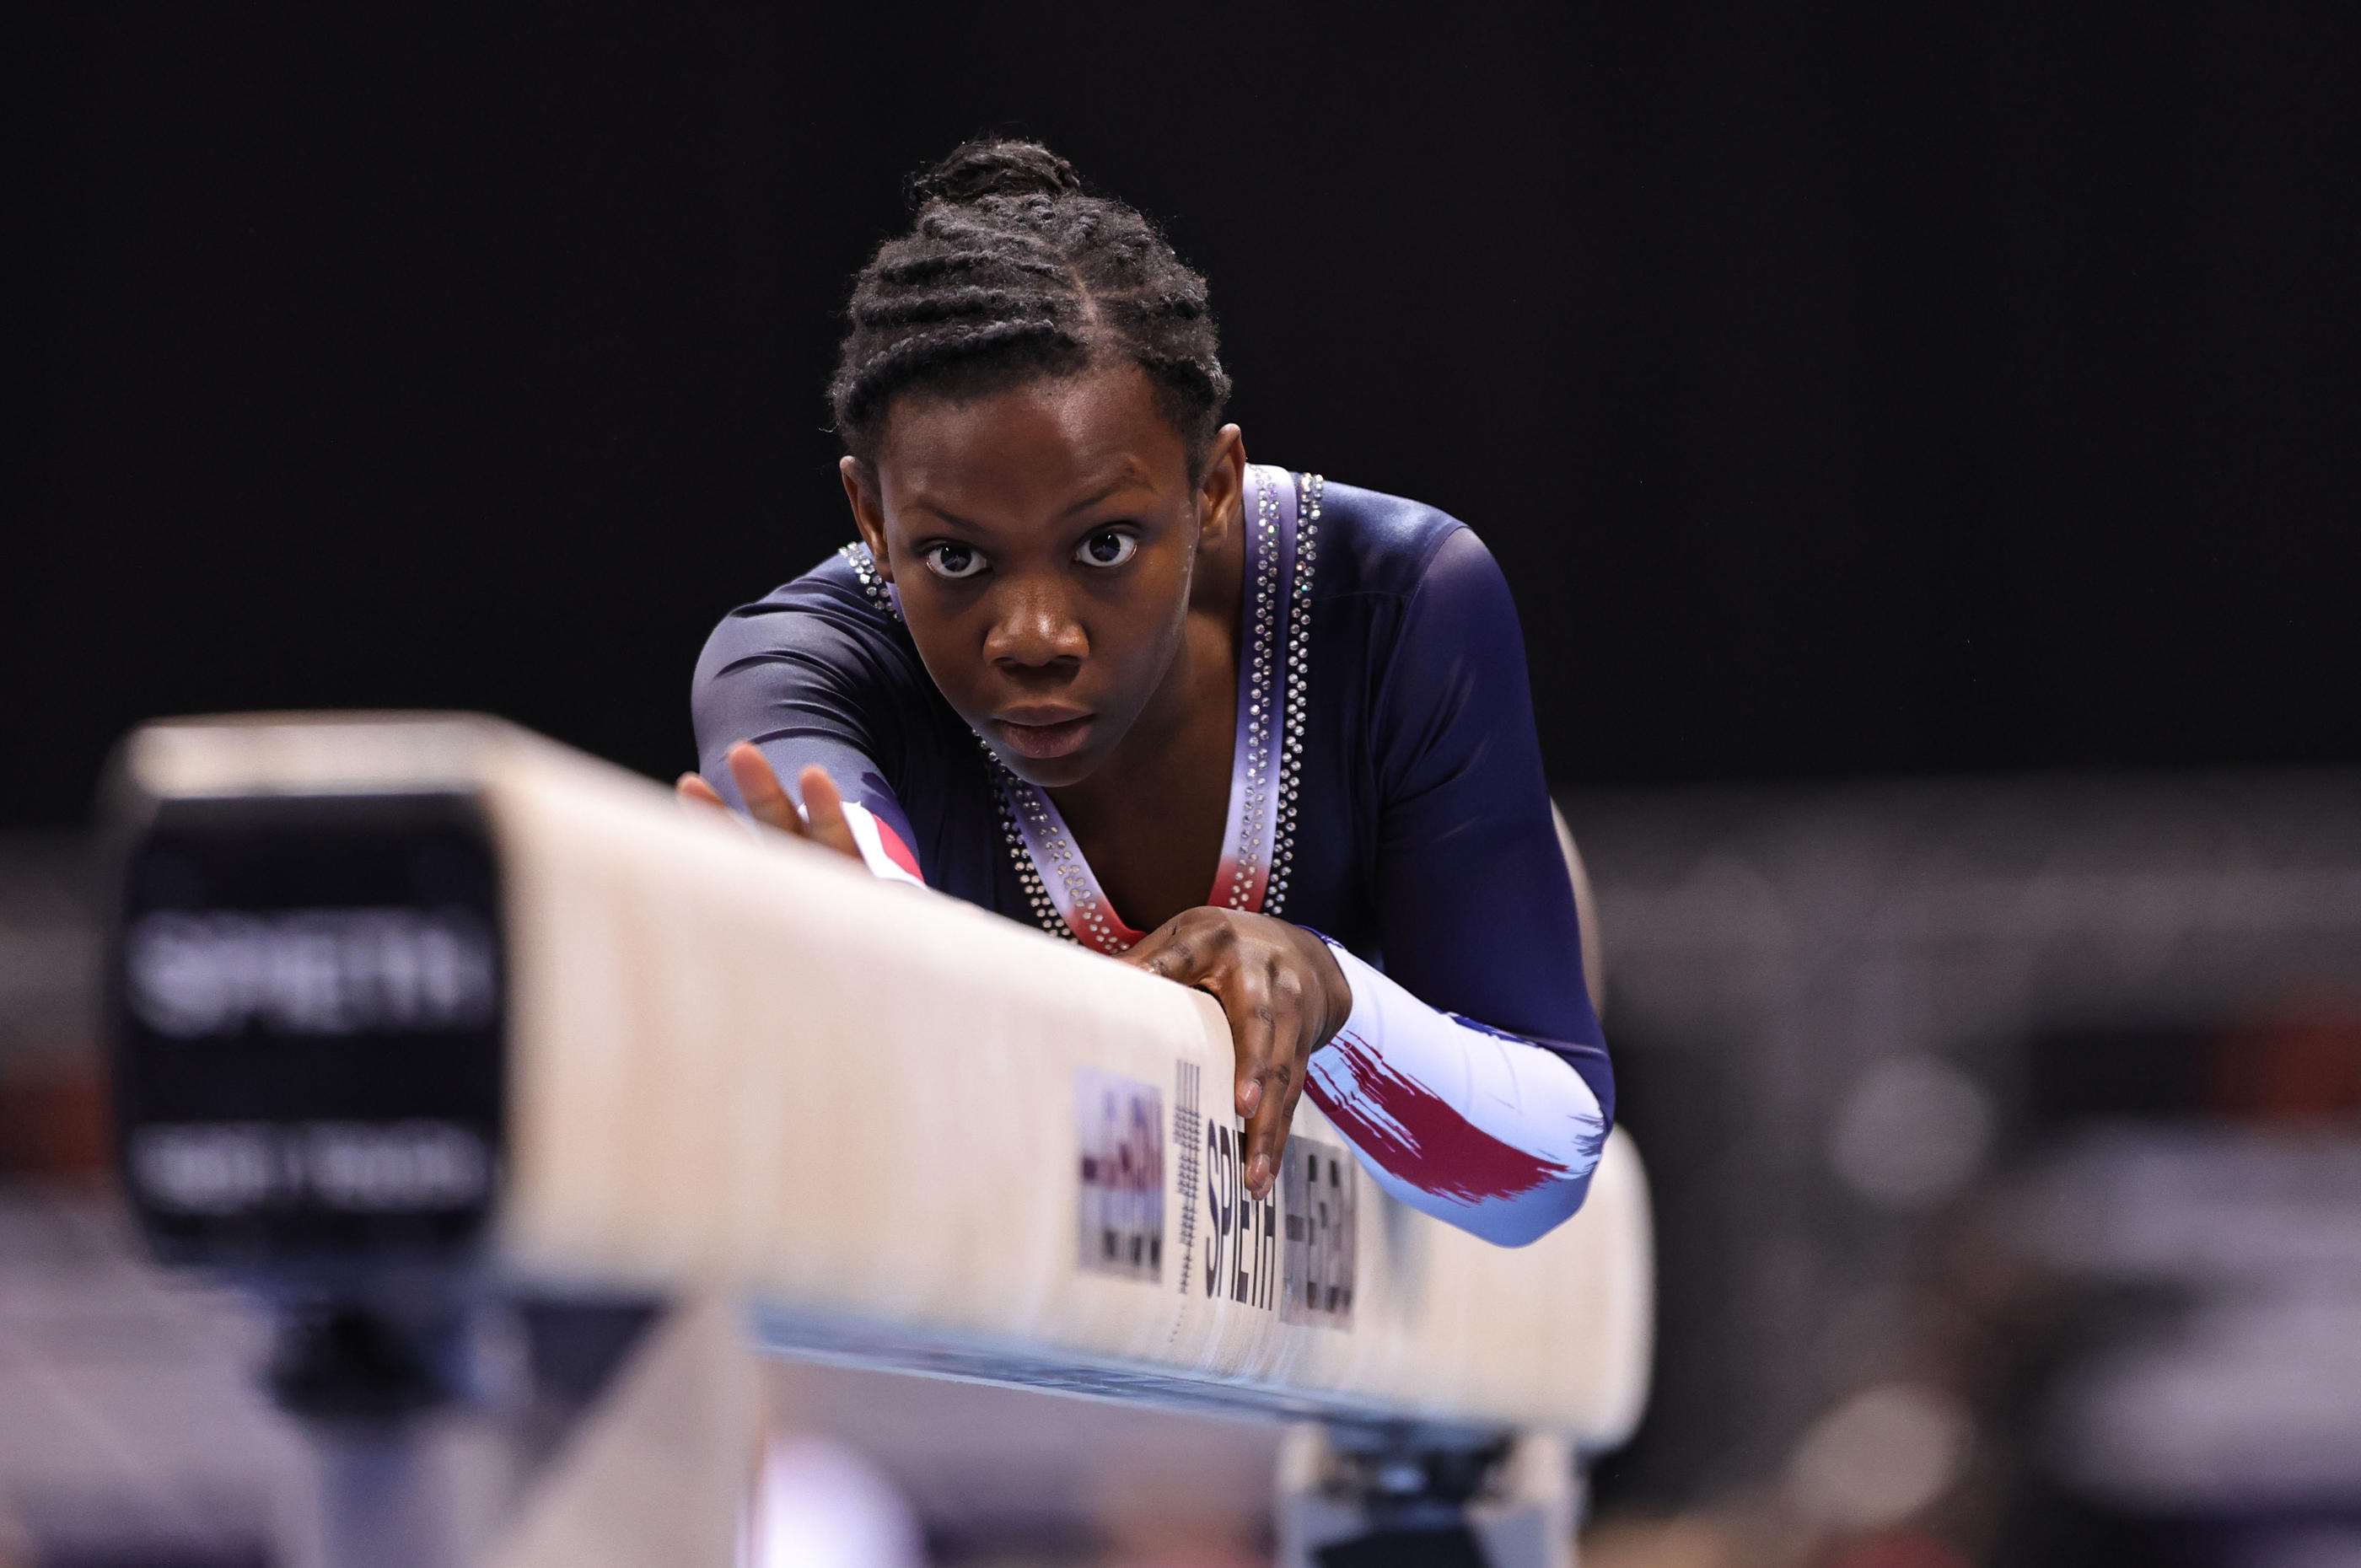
x=1403 y=811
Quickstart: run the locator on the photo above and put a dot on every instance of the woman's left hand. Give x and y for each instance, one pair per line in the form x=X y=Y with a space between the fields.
x=768 y=803
x=1285 y=995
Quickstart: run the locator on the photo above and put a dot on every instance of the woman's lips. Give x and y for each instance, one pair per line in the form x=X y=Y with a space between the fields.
x=1043 y=741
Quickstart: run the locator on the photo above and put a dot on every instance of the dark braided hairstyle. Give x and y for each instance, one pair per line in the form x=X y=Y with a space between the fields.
x=1011 y=273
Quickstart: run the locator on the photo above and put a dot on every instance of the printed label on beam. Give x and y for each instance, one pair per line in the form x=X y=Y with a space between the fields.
x=1241 y=1233
x=1320 y=1191
x=1119 y=1203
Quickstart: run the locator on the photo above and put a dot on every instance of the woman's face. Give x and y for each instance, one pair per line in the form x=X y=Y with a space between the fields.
x=1043 y=542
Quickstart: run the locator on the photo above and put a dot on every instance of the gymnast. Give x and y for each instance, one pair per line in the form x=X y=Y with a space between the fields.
x=1254 y=733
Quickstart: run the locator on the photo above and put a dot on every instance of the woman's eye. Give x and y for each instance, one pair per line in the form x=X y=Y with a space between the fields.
x=953 y=561
x=1107 y=548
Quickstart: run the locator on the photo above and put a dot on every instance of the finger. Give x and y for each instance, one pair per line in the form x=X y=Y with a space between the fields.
x=1280 y=1118
x=1282 y=1077
x=766 y=799
x=1169 y=953
x=693 y=792
x=825 y=822
x=1262 y=1073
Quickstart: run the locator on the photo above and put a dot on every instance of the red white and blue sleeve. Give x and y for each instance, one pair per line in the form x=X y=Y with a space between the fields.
x=1496 y=1125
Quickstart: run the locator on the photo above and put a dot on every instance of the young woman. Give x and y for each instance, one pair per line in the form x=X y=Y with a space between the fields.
x=1087 y=666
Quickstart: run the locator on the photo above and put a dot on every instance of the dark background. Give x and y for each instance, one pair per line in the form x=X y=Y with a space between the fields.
x=1844 y=389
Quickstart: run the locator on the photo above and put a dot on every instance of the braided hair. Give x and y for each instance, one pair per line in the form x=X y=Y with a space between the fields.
x=1011 y=273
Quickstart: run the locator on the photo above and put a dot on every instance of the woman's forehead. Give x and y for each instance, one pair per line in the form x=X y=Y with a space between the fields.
x=1040 y=452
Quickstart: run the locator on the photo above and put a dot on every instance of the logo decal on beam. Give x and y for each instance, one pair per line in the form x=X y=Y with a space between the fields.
x=1187 y=1123
x=1119 y=1206
x=1319 y=1189
x=1242 y=1233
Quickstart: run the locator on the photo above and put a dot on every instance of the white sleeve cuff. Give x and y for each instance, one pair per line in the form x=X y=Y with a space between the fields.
x=877 y=843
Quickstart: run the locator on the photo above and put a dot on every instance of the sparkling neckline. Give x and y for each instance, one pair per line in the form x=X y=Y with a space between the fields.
x=874 y=588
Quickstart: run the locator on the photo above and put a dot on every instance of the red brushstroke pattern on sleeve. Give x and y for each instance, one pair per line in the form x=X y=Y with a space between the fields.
x=1416 y=1135
x=895 y=850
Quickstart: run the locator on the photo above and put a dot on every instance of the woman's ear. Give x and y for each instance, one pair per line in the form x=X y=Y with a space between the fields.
x=862 y=493
x=1222 y=490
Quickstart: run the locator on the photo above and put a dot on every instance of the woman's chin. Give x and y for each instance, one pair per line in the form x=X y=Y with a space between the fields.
x=1055 y=773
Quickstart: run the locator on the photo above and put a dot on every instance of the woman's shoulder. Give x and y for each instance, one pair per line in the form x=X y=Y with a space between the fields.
x=1382 y=546
x=842 y=584
x=838 y=617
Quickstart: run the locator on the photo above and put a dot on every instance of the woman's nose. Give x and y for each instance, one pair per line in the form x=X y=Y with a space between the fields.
x=1033 y=627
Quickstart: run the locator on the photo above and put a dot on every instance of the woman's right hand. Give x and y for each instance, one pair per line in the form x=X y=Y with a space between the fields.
x=768 y=803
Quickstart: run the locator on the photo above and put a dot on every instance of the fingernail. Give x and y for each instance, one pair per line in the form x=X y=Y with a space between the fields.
x=1250 y=1096
x=1259 y=1175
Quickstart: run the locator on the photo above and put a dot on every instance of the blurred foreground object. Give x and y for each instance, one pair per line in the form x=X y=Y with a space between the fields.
x=407 y=1008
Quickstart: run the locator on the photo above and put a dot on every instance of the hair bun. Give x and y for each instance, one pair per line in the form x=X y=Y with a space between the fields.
x=979 y=169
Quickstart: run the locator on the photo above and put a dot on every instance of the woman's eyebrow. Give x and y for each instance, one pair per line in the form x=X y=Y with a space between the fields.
x=950 y=519
x=946 y=519
x=1128 y=481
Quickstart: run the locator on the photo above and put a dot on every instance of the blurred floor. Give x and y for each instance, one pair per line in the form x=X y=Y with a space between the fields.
x=991 y=1469
x=129 y=1428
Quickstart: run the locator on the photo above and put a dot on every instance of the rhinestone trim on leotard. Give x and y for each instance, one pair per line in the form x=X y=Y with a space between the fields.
x=1308 y=488
x=876 y=589
x=1081 y=908
x=1247 y=842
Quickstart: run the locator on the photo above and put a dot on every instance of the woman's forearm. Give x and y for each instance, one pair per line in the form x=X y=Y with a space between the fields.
x=1488 y=1132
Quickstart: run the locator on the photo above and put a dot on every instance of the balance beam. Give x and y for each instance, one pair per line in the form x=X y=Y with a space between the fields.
x=429 y=990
